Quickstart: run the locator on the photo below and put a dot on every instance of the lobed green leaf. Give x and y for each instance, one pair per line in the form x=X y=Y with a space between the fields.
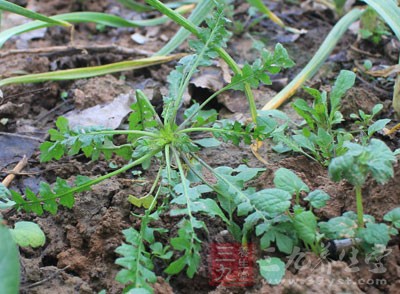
x=375 y=234
x=138 y=267
x=393 y=216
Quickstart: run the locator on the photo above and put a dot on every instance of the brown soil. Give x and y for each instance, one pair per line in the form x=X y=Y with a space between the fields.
x=79 y=253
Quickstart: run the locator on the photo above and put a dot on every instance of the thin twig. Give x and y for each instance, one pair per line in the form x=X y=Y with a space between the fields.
x=358 y=50
x=17 y=169
x=11 y=172
x=21 y=136
x=20 y=94
x=57 y=107
x=46 y=279
x=377 y=89
x=393 y=130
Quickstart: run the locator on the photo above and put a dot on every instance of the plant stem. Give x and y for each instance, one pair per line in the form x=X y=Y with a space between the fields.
x=197 y=16
x=116 y=147
x=221 y=177
x=143 y=97
x=189 y=75
x=179 y=19
x=200 y=176
x=184 y=185
x=123 y=132
x=197 y=173
x=187 y=120
x=201 y=129
x=187 y=197
x=153 y=187
x=143 y=227
x=251 y=101
x=360 y=210
x=289 y=214
x=168 y=162
x=227 y=87
x=101 y=178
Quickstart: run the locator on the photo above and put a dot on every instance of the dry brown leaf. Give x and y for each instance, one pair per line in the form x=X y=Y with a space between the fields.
x=109 y=115
x=396 y=95
x=385 y=72
x=226 y=74
x=209 y=78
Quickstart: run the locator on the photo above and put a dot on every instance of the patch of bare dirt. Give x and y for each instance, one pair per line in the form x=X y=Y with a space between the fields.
x=98 y=90
x=356 y=99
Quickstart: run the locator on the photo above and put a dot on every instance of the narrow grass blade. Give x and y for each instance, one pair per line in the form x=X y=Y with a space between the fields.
x=11 y=7
x=87 y=72
x=319 y=58
x=197 y=16
x=81 y=17
x=134 y=5
x=179 y=19
x=390 y=13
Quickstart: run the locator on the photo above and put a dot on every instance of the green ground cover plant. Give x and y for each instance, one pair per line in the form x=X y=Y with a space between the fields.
x=321 y=136
x=159 y=140
x=372 y=26
x=358 y=162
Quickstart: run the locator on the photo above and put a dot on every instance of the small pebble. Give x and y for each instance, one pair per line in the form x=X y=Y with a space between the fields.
x=138 y=38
